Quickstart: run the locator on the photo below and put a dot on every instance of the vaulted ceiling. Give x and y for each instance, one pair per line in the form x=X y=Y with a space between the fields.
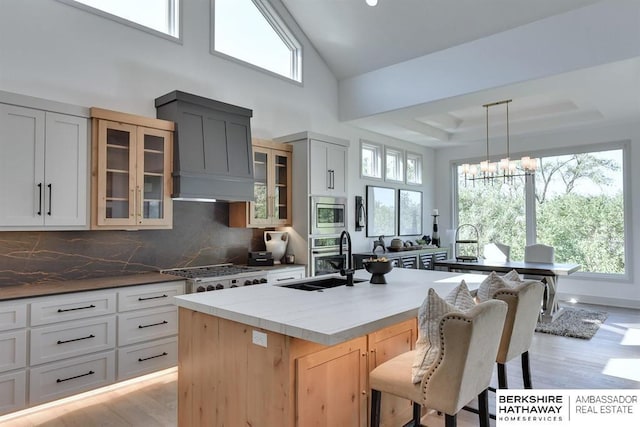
x=357 y=40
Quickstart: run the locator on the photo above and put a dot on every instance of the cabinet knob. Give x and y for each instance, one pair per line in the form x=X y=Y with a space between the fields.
x=364 y=392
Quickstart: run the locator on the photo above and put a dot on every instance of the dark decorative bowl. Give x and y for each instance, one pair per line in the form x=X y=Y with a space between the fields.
x=377 y=269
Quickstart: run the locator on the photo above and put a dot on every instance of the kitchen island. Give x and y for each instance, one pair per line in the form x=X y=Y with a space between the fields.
x=275 y=356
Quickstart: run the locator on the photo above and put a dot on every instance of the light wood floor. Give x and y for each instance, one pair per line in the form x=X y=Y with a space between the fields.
x=611 y=359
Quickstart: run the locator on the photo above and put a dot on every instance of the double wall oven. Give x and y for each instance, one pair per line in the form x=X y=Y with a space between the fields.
x=325 y=255
x=328 y=219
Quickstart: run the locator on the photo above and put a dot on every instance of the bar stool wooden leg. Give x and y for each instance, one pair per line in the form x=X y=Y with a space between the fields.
x=526 y=370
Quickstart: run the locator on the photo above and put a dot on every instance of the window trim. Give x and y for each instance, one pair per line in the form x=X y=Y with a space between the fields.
x=282 y=30
x=625 y=146
x=418 y=157
x=380 y=152
x=120 y=20
x=400 y=152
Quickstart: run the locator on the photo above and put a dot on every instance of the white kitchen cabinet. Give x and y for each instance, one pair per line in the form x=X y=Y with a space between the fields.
x=71 y=376
x=59 y=345
x=327 y=168
x=13 y=391
x=43 y=169
x=148 y=296
x=12 y=315
x=13 y=354
x=75 y=306
x=136 y=360
x=147 y=328
x=144 y=325
x=287 y=273
x=70 y=339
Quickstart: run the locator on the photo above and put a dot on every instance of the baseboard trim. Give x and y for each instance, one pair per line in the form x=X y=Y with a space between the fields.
x=589 y=299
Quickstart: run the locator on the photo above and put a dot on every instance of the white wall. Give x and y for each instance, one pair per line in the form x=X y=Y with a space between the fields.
x=614 y=292
x=54 y=51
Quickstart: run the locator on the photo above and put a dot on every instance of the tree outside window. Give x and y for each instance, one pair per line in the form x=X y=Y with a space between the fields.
x=579 y=209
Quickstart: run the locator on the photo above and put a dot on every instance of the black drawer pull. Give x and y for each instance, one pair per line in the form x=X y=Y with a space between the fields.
x=60 y=310
x=284 y=278
x=164 y=353
x=164 y=322
x=73 y=378
x=145 y=299
x=76 y=339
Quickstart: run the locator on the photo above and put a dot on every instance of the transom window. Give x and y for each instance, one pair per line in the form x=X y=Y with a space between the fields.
x=370 y=160
x=157 y=15
x=414 y=168
x=575 y=203
x=394 y=165
x=252 y=32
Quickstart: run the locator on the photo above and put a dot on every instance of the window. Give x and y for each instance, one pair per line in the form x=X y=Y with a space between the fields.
x=252 y=32
x=158 y=15
x=577 y=206
x=414 y=168
x=370 y=160
x=394 y=165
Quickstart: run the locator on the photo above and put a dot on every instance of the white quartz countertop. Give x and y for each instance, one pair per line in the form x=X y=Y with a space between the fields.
x=333 y=315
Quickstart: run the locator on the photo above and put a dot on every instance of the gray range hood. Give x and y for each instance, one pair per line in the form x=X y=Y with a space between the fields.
x=212 y=155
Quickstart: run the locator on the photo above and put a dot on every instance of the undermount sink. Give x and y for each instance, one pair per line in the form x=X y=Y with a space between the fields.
x=320 y=284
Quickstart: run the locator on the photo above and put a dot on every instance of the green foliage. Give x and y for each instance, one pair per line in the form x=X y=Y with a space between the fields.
x=584 y=227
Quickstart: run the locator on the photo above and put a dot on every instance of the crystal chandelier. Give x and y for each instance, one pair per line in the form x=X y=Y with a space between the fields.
x=506 y=169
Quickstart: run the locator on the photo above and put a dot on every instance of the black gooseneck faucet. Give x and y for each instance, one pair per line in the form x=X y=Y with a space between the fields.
x=348 y=271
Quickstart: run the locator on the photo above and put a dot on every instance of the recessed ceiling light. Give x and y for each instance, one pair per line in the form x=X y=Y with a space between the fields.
x=372 y=2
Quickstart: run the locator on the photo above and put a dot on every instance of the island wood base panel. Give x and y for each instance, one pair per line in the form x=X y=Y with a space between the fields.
x=224 y=379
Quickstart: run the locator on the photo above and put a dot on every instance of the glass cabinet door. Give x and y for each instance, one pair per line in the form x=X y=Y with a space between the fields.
x=282 y=171
x=153 y=175
x=116 y=183
x=260 y=211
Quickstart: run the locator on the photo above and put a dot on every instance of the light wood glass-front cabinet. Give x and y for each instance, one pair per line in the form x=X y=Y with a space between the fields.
x=131 y=171
x=272 y=188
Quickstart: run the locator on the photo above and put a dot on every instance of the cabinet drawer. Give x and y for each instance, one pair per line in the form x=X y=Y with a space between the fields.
x=50 y=343
x=145 y=325
x=13 y=388
x=288 y=274
x=144 y=358
x=71 y=307
x=56 y=380
x=148 y=296
x=13 y=316
x=13 y=350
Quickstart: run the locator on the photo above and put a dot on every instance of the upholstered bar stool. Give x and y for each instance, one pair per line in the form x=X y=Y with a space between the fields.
x=523 y=304
x=461 y=372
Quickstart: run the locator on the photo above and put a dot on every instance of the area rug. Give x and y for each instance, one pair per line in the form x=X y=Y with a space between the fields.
x=574 y=322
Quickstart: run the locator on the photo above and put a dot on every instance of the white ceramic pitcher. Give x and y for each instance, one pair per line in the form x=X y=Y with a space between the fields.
x=276 y=242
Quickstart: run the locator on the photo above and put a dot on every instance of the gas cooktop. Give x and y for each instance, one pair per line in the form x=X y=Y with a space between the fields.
x=218 y=270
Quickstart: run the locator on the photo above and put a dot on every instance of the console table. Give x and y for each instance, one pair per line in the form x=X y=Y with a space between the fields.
x=420 y=258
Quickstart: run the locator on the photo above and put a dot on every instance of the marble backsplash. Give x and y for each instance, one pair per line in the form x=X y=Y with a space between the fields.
x=200 y=236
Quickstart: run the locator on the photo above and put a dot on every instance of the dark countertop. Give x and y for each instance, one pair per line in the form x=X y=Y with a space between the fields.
x=67 y=286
